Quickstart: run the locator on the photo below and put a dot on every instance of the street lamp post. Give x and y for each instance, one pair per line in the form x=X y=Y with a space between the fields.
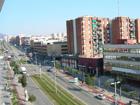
x=115 y=83
x=35 y=58
x=120 y=91
x=98 y=76
x=83 y=74
x=55 y=74
x=40 y=70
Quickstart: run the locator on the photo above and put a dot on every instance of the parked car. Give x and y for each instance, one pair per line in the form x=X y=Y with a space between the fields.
x=100 y=96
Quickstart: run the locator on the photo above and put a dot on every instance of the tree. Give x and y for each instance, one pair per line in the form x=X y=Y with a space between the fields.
x=58 y=65
x=93 y=80
x=15 y=70
x=88 y=80
x=24 y=80
x=15 y=67
x=12 y=63
x=74 y=72
x=22 y=61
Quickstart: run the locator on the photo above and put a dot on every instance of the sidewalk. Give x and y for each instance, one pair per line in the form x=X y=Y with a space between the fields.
x=97 y=90
x=18 y=87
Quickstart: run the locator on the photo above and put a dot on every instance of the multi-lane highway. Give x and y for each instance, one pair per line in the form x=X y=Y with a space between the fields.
x=88 y=98
x=32 y=88
x=42 y=99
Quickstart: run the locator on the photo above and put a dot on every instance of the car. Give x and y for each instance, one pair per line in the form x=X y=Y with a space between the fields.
x=100 y=96
x=29 y=61
x=49 y=69
x=21 y=54
x=12 y=55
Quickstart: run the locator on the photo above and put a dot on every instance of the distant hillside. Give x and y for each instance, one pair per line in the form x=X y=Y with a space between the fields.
x=2 y=35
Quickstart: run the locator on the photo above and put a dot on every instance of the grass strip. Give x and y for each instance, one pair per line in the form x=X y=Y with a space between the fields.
x=61 y=97
x=14 y=98
x=64 y=92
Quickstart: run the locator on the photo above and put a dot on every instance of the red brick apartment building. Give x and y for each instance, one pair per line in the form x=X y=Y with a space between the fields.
x=125 y=30
x=86 y=35
x=137 y=23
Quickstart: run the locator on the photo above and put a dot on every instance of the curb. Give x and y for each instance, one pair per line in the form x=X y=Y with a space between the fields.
x=111 y=99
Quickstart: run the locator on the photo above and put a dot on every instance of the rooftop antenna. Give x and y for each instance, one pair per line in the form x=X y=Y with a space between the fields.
x=118 y=5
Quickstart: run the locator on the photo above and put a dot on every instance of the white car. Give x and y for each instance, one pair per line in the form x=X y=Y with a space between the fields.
x=100 y=96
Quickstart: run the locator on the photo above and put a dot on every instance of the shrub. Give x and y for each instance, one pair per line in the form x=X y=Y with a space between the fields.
x=32 y=98
x=23 y=81
x=89 y=80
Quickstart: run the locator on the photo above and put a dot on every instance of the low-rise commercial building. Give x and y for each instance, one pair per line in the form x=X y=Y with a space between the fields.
x=123 y=60
x=49 y=47
x=88 y=65
x=57 y=48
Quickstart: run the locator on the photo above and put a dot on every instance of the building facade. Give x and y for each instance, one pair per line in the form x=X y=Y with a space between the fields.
x=49 y=47
x=123 y=60
x=88 y=65
x=57 y=49
x=137 y=23
x=100 y=35
x=86 y=36
x=123 y=31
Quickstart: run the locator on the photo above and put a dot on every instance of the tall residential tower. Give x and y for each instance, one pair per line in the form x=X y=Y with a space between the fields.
x=86 y=36
x=123 y=30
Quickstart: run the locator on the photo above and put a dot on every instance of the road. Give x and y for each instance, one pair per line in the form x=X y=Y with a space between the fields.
x=42 y=99
x=88 y=98
x=70 y=87
x=32 y=88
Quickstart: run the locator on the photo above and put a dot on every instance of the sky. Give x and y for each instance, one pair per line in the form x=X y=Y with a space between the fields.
x=42 y=17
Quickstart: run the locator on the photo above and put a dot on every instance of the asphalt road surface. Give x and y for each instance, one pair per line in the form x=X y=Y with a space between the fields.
x=88 y=98
x=42 y=99
x=32 y=88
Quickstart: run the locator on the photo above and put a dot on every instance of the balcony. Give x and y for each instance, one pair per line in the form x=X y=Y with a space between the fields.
x=98 y=24
x=108 y=31
x=131 y=25
x=100 y=36
x=94 y=25
x=99 y=33
x=95 y=37
x=94 y=21
x=132 y=29
x=132 y=34
x=99 y=29
x=94 y=32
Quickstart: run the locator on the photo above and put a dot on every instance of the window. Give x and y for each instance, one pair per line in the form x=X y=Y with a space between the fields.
x=63 y=45
x=89 y=42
